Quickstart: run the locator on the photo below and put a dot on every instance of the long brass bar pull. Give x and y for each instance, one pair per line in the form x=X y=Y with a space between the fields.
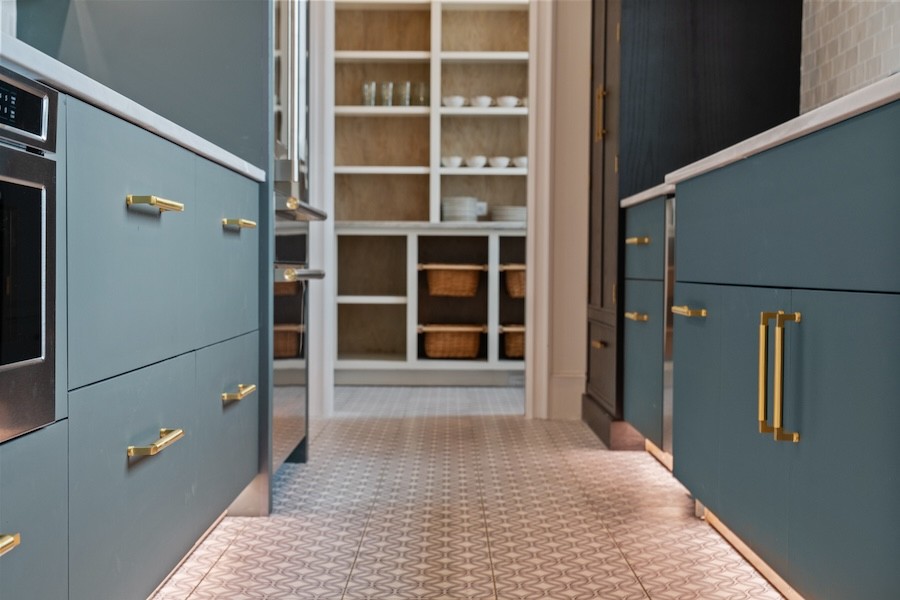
x=167 y=437
x=243 y=392
x=155 y=201
x=636 y=316
x=687 y=311
x=780 y=434
x=763 y=381
x=638 y=241
x=239 y=223
x=599 y=116
x=8 y=541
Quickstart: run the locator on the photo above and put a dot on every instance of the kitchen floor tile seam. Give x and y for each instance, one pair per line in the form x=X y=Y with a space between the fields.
x=212 y=566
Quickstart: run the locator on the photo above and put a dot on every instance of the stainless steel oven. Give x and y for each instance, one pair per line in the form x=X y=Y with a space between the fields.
x=27 y=254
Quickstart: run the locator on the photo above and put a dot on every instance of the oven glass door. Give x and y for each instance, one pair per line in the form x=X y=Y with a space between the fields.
x=21 y=273
x=27 y=291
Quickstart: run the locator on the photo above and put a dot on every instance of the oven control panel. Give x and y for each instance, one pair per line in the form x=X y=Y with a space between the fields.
x=27 y=111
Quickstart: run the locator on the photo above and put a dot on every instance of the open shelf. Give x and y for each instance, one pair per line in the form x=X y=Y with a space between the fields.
x=371 y=266
x=371 y=330
x=371 y=299
x=381 y=196
x=484 y=171
x=381 y=56
x=381 y=111
x=493 y=111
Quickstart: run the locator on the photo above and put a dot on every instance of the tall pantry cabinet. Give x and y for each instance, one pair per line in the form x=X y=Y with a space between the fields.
x=672 y=82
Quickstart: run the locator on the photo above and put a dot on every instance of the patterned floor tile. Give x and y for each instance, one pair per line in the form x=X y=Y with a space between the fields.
x=447 y=493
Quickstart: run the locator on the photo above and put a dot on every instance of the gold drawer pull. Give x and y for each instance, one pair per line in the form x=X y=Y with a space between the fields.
x=167 y=437
x=638 y=241
x=598 y=344
x=161 y=203
x=8 y=541
x=239 y=223
x=243 y=392
x=687 y=311
x=636 y=316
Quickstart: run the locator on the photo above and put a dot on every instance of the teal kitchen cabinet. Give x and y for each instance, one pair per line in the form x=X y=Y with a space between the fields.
x=132 y=288
x=642 y=369
x=785 y=426
x=225 y=252
x=646 y=324
x=133 y=472
x=227 y=400
x=34 y=515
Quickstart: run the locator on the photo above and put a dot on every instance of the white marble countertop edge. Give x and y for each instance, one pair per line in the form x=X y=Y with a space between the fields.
x=663 y=189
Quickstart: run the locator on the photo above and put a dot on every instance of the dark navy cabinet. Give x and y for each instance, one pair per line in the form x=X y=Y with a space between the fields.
x=807 y=229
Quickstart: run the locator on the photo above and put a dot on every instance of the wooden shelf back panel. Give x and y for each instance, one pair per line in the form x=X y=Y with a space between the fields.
x=485 y=31
x=371 y=329
x=484 y=79
x=381 y=141
x=381 y=198
x=494 y=136
x=383 y=30
x=372 y=265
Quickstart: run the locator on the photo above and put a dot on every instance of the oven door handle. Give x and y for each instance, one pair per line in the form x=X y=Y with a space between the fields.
x=297 y=274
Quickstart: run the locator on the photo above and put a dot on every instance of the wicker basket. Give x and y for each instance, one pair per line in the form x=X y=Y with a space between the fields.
x=287 y=288
x=287 y=340
x=513 y=340
x=515 y=280
x=452 y=341
x=459 y=281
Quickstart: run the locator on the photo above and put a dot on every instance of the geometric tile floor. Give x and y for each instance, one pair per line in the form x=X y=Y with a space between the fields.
x=447 y=493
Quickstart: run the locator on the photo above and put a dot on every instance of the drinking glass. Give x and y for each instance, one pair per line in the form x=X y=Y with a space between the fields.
x=387 y=93
x=368 y=93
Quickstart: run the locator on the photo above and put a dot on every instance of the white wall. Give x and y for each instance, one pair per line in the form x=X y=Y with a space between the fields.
x=846 y=45
x=569 y=208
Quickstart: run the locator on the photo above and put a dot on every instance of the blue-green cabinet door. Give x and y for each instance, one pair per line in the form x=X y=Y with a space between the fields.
x=645 y=240
x=845 y=473
x=33 y=504
x=132 y=291
x=228 y=447
x=643 y=340
x=132 y=518
x=226 y=255
x=696 y=387
x=753 y=467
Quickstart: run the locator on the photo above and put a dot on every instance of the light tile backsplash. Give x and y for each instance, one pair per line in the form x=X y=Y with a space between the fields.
x=847 y=44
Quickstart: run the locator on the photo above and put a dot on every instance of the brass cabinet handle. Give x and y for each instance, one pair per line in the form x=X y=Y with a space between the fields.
x=763 y=380
x=638 y=241
x=687 y=311
x=243 y=392
x=239 y=223
x=161 y=203
x=598 y=115
x=598 y=344
x=777 y=427
x=167 y=437
x=780 y=434
x=8 y=541
x=636 y=316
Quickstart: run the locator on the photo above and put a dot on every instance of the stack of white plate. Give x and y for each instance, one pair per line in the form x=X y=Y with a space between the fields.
x=459 y=208
x=508 y=213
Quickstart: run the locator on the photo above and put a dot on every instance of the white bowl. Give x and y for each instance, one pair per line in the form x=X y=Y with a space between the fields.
x=477 y=161
x=507 y=101
x=499 y=162
x=520 y=161
x=451 y=161
x=453 y=101
x=480 y=101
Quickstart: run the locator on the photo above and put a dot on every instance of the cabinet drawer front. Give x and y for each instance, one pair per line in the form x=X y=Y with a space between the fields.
x=33 y=505
x=820 y=212
x=645 y=240
x=130 y=284
x=601 y=382
x=227 y=257
x=228 y=428
x=642 y=371
x=134 y=513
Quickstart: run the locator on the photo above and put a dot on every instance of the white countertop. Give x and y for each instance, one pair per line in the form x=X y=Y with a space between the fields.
x=32 y=63
x=663 y=189
x=878 y=94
